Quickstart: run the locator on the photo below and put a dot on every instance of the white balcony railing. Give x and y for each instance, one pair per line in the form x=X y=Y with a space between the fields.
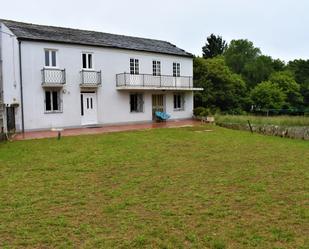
x=53 y=77
x=152 y=81
x=90 y=78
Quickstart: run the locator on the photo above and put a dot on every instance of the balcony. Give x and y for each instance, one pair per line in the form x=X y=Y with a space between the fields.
x=126 y=81
x=90 y=79
x=53 y=77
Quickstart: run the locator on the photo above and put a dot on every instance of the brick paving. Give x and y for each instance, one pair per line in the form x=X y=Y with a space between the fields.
x=104 y=129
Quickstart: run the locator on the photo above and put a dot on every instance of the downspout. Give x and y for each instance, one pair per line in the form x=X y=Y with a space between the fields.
x=21 y=89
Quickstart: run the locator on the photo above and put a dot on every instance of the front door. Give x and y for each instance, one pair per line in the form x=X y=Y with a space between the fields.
x=89 y=108
x=157 y=104
x=10 y=117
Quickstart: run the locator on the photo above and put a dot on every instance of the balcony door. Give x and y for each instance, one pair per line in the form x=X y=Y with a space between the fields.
x=157 y=104
x=89 y=108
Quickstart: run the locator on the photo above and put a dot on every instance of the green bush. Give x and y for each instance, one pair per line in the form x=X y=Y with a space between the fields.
x=204 y=112
x=198 y=111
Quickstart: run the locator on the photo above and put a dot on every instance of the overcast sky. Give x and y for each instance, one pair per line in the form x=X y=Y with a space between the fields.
x=279 y=27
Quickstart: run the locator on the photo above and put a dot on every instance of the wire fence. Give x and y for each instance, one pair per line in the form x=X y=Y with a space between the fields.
x=278 y=112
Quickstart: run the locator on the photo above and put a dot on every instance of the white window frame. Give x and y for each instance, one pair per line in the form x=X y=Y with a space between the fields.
x=182 y=102
x=134 y=66
x=142 y=102
x=156 y=68
x=87 y=61
x=50 y=50
x=176 y=69
x=59 y=100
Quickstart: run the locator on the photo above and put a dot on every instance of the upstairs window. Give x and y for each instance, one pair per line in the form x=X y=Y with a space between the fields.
x=156 y=68
x=136 y=102
x=134 y=66
x=52 y=101
x=179 y=102
x=176 y=69
x=87 y=61
x=50 y=58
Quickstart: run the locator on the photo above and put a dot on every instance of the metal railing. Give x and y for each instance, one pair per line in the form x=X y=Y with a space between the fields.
x=149 y=80
x=51 y=76
x=91 y=78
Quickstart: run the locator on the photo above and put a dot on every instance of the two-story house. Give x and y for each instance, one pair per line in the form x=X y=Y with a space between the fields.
x=62 y=77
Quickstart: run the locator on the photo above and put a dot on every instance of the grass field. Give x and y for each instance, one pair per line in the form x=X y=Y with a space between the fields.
x=162 y=188
x=261 y=120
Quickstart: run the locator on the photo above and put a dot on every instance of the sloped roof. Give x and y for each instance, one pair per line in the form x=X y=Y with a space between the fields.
x=34 y=32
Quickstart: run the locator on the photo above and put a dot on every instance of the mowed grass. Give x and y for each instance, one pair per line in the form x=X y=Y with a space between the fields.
x=262 y=120
x=162 y=188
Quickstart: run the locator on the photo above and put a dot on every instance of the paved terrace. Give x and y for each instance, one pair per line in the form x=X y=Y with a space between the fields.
x=104 y=129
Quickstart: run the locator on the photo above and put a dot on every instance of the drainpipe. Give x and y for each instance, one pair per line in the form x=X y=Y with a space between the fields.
x=21 y=89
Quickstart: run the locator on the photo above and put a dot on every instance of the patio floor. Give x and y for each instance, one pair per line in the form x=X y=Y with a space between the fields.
x=103 y=129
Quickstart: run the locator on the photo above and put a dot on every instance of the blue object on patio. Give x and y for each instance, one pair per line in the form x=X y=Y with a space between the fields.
x=162 y=116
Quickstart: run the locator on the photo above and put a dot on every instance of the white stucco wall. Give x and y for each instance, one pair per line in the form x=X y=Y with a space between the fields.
x=10 y=73
x=113 y=105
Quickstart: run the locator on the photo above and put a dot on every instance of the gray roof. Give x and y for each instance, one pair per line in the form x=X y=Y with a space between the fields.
x=34 y=32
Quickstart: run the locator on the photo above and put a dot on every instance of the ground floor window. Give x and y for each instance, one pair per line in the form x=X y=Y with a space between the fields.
x=179 y=102
x=52 y=101
x=136 y=102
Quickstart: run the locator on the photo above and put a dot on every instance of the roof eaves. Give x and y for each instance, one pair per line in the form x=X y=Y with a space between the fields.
x=188 y=55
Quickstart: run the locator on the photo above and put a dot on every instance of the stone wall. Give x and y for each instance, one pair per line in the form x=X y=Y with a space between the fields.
x=297 y=132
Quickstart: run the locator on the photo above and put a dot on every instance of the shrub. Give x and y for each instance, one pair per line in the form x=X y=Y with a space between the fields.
x=202 y=111
x=206 y=112
x=198 y=111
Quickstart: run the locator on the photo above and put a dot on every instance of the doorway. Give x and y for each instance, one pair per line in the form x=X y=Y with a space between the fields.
x=89 y=108
x=157 y=104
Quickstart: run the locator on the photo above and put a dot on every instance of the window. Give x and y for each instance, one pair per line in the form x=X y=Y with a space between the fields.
x=179 y=101
x=136 y=102
x=52 y=101
x=134 y=66
x=176 y=69
x=87 y=61
x=156 y=68
x=50 y=58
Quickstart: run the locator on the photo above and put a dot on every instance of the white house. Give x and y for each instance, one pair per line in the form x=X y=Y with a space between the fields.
x=61 y=77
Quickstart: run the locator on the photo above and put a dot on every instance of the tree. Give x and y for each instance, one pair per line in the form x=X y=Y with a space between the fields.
x=222 y=88
x=268 y=95
x=258 y=70
x=300 y=69
x=278 y=65
x=214 y=46
x=288 y=85
x=239 y=53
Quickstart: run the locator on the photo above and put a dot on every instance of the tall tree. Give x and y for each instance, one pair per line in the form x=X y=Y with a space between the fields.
x=239 y=53
x=268 y=95
x=222 y=88
x=278 y=65
x=214 y=46
x=300 y=69
x=258 y=70
x=290 y=87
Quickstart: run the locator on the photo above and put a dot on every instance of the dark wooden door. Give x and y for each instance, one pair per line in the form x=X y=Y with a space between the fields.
x=10 y=117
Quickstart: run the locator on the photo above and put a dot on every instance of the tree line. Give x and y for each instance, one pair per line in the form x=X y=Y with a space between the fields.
x=238 y=78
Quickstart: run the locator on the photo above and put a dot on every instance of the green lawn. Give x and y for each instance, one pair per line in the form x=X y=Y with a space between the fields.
x=262 y=120
x=162 y=188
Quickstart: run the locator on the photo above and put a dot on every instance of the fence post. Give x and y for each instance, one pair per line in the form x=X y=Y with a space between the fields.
x=250 y=126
